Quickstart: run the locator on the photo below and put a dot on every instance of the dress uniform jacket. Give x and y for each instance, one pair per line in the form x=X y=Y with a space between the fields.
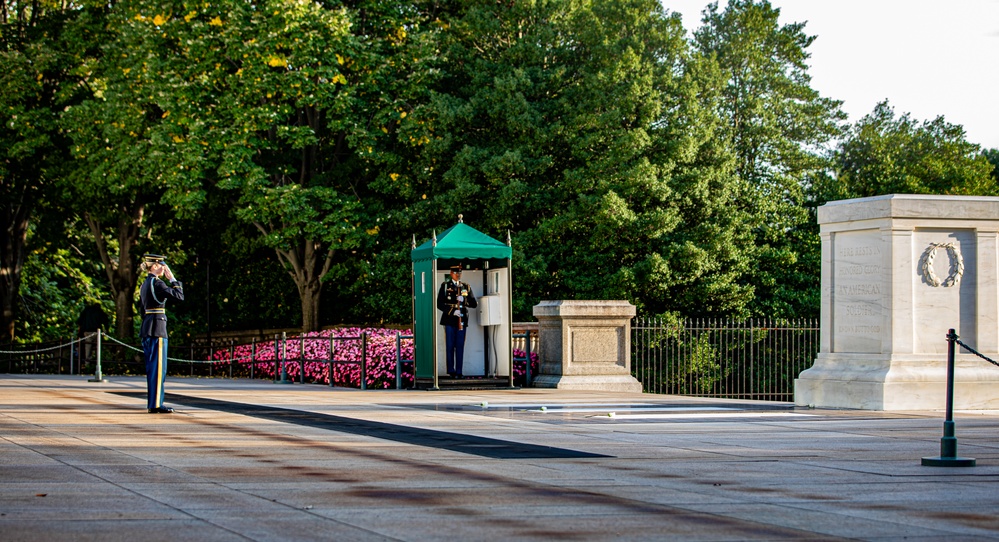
x=451 y=309
x=153 y=296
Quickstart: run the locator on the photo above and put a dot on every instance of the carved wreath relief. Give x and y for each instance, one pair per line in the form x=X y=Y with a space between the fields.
x=956 y=265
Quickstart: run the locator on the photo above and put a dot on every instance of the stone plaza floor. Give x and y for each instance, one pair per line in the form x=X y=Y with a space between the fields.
x=254 y=460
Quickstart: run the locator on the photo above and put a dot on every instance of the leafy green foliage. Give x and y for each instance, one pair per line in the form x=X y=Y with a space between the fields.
x=58 y=283
x=257 y=142
x=230 y=277
x=289 y=107
x=992 y=155
x=571 y=125
x=43 y=48
x=778 y=127
x=700 y=370
x=889 y=154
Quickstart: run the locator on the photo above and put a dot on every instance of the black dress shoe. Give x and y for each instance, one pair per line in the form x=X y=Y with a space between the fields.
x=161 y=410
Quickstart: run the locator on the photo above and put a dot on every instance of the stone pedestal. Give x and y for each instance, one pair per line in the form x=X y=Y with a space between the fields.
x=585 y=345
x=898 y=271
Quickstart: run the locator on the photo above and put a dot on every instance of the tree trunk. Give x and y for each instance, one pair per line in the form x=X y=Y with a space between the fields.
x=13 y=238
x=7 y=318
x=124 y=328
x=310 y=294
x=307 y=264
x=122 y=272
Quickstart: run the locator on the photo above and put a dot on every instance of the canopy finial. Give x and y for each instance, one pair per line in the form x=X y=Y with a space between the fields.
x=461 y=219
x=435 y=237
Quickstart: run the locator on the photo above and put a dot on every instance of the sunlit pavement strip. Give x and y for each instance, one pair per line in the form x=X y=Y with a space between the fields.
x=573 y=405
x=249 y=461
x=641 y=412
x=605 y=408
x=709 y=415
x=599 y=407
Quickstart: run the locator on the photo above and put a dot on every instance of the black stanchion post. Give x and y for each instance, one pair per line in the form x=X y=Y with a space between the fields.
x=284 y=352
x=948 y=444
x=332 y=340
x=364 y=360
x=253 y=356
x=398 y=360
x=72 y=350
x=527 y=364
x=277 y=358
x=98 y=377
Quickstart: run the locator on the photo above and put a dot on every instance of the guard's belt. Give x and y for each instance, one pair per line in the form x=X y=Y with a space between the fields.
x=156 y=311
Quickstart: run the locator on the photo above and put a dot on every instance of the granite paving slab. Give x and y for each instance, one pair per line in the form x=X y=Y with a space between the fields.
x=251 y=460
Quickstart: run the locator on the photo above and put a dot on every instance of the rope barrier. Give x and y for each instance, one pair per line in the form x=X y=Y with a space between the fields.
x=976 y=352
x=181 y=360
x=252 y=357
x=39 y=350
x=139 y=350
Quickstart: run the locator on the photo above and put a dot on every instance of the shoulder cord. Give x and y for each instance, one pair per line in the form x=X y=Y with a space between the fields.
x=152 y=290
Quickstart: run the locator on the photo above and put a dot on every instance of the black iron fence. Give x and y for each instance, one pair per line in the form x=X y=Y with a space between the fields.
x=61 y=357
x=752 y=359
x=359 y=358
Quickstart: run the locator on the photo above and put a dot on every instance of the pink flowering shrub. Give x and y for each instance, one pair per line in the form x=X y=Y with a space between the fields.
x=520 y=366
x=311 y=353
x=346 y=344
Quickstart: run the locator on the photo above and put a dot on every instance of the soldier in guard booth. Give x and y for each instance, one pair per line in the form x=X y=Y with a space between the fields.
x=453 y=300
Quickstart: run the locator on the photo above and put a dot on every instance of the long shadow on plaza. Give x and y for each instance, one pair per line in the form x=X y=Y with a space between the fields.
x=457 y=442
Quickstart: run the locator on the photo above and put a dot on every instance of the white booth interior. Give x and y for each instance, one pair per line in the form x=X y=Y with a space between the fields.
x=487 y=339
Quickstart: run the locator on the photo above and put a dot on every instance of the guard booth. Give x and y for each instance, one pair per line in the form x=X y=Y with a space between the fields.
x=486 y=267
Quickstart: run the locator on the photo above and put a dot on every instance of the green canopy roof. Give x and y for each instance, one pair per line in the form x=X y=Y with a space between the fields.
x=461 y=241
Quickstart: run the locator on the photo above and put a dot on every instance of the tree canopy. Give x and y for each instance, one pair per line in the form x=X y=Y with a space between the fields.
x=286 y=154
x=780 y=130
x=45 y=51
x=578 y=124
x=890 y=154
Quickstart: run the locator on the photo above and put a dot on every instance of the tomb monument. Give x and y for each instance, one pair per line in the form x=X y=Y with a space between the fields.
x=898 y=271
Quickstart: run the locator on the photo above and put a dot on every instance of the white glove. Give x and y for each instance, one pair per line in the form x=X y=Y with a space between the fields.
x=461 y=298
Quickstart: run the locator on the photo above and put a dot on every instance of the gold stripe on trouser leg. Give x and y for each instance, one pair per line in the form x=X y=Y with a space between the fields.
x=159 y=372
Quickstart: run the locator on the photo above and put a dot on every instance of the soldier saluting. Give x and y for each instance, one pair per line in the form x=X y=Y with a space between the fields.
x=153 y=295
x=453 y=300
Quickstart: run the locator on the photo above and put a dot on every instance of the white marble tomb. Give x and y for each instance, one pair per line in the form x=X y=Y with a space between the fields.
x=898 y=271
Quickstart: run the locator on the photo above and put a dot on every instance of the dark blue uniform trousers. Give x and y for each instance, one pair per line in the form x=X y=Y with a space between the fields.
x=454 y=346
x=155 y=349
